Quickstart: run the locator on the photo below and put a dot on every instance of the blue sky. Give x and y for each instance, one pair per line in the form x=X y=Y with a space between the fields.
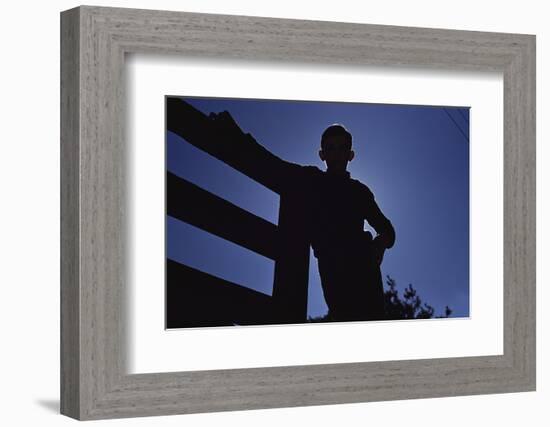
x=414 y=158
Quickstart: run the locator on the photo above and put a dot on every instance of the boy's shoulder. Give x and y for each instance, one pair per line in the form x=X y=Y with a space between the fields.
x=313 y=170
x=310 y=172
x=361 y=187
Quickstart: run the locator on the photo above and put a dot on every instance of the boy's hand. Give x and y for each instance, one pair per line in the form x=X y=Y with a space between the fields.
x=226 y=122
x=378 y=250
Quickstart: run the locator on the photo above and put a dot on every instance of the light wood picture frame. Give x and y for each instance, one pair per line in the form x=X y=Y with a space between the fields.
x=94 y=382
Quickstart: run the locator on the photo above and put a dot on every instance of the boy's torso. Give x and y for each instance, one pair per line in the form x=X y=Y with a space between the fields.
x=335 y=205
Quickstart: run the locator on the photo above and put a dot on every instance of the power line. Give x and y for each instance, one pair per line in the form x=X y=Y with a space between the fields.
x=456 y=124
x=463 y=115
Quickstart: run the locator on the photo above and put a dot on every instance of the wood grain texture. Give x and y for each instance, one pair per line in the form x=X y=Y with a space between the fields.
x=95 y=238
x=70 y=292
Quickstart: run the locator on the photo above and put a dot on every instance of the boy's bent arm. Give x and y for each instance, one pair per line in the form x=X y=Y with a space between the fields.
x=382 y=225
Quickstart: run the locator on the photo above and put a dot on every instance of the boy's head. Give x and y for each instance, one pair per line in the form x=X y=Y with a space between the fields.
x=336 y=147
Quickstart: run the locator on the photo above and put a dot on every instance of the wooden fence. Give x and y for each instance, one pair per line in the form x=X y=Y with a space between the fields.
x=195 y=298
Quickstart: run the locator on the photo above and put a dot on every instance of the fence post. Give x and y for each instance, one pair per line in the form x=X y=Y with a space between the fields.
x=290 y=286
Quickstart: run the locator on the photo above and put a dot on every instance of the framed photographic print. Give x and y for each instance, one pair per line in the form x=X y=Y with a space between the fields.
x=292 y=213
x=426 y=156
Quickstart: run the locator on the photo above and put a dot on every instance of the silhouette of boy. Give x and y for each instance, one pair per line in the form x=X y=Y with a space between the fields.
x=336 y=208
x=348 y=257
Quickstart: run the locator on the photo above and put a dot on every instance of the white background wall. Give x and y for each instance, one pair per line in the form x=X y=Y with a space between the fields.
x=29 y=223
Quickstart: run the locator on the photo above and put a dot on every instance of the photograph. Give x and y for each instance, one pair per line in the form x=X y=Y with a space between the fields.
x=291 y=211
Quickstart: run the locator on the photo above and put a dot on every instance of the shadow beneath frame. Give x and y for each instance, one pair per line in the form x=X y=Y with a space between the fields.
x=51 y=405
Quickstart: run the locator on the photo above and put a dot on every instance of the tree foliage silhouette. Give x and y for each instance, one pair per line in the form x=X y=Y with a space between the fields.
x=409 y=306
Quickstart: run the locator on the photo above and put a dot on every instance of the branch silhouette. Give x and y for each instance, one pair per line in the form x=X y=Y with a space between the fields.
x=397 y=307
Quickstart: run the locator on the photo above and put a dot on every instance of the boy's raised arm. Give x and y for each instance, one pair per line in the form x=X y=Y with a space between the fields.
x=220 y=136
